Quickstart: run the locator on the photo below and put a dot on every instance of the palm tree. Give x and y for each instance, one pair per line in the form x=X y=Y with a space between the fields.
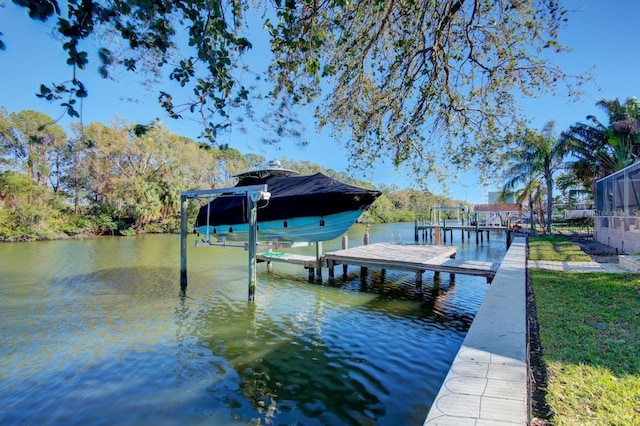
x=537 y=156
x=598 y=149
x=529 y=191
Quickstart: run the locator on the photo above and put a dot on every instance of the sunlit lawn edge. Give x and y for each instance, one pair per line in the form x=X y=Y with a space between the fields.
x=556 y=248
x=590 y=335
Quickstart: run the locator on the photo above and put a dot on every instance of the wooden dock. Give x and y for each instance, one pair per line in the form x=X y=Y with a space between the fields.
x=390 y=256
x=414 y=258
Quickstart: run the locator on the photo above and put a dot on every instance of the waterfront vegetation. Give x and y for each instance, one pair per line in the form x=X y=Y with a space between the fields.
x=116 y=180
x=590 y=336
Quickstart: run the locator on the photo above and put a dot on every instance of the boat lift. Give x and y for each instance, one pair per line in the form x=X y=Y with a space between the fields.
x=438 y=209
x=254 y=193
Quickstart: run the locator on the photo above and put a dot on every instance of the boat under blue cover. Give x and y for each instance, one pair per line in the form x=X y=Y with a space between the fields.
x=301 y=208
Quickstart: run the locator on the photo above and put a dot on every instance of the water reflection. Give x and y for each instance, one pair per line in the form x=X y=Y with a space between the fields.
x=319 y=354
x=290 y=366
x=96 y=332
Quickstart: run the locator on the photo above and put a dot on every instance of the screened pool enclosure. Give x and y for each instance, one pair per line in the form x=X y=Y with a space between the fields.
x=618 y=209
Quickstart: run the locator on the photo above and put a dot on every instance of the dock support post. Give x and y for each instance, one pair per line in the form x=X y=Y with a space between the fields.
x=311 y=275
x=419 y=280
x=345 y=246
x=270 y=246
x=252 y=199
x=363 y=272
x=330 y=266
x=319 y=261
x=183 y=242
x=477 y=230
x=415 y=231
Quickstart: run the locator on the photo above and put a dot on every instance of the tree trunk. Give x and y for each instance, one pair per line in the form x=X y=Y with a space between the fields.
x=549 y=202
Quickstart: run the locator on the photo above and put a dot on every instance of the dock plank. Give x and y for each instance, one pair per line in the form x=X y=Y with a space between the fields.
x=468 y=267
x=391 y=256
x=296 y=259
x=418 y=258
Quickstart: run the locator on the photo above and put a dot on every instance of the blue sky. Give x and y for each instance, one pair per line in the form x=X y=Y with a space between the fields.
x=604 y=35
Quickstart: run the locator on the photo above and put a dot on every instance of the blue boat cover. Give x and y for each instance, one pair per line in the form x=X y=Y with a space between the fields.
x=291 y=196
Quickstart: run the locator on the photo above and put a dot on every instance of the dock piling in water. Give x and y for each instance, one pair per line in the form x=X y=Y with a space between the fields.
x=183 y=242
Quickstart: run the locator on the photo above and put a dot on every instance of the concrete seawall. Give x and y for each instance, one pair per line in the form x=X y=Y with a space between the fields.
x=488 y=380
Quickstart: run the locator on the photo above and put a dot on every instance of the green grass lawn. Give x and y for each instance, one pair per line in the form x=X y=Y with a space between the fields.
x=555 y=248
x=590 y=335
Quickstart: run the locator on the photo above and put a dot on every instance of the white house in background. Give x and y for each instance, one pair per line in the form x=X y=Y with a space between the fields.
x=617 y=221
x=581 y=206
x=497 y=214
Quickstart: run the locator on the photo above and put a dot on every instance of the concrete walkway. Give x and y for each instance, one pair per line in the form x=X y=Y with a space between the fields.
x=487 y=383
x=577 y=266
x=488 y=380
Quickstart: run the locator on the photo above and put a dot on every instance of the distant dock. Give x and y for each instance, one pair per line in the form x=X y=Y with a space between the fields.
x=438 y=231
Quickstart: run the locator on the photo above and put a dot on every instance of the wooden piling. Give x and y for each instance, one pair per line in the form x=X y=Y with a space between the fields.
x=319 y=261
x=252 y=199
x=330 y=267
x=183 y=242
x=345 y=246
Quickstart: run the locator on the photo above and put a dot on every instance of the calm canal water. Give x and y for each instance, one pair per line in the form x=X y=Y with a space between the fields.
x=96 y=332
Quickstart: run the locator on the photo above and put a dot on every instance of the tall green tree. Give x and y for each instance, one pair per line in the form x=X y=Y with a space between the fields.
x=32 y=143
x=197 y=165
x=599 y=149
x=99 y=166
x=406 y=79
x=537 y=154
x=126 y=171
x=15 y=189
x=140 y=176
